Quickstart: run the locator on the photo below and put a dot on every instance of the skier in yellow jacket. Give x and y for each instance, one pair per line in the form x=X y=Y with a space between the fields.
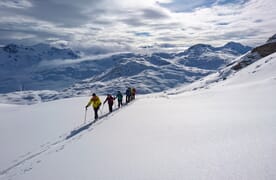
x=96 y=103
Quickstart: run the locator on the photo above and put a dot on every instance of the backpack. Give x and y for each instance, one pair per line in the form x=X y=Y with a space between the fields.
x=119 y=96
x=128 y=92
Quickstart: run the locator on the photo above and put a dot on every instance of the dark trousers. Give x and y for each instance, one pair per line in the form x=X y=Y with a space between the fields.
x=96 y=113
x=127 y=98
x=120 y=102
x=110 y=107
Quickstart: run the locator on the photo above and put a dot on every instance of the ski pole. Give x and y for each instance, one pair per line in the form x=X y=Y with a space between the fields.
x=101 y=109
x=85 y=116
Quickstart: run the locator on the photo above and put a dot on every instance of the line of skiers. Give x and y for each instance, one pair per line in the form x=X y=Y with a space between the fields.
x=96 y=102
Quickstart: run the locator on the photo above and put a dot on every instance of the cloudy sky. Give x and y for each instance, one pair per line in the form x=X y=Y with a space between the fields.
x=122 y=25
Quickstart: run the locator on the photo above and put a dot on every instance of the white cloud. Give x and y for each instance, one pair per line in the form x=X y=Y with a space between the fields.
x=15 y=4
x=109 y=24
x=249 y=23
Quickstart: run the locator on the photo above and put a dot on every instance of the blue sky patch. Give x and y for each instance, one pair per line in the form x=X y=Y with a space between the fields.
x=188 y=5
x=143 y=34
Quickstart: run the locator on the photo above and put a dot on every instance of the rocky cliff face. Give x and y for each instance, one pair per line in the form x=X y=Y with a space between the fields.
x=265 y=49
x=258 y=52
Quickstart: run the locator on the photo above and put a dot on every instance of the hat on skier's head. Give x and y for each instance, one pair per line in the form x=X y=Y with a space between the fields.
x=93 y=94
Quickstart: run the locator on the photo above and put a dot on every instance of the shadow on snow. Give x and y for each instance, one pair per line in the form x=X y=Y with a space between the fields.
x=86 y=126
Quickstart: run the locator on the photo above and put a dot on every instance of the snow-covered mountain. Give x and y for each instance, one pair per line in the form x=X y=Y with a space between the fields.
x=207 y=57
x=19 y=66
x=161 y=71
x=224 y=130
x=66 y=74
x=232 y=68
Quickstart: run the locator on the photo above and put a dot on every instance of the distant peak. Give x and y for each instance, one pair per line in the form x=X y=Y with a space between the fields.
x=232 y=43
x=200 y=46
x=272 y=39
x=41 y=45
x=237 y=47
x=11 y=48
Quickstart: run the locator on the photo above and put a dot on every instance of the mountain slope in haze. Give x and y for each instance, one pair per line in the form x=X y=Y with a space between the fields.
x=19 y=65
x=77 y=76
x=208 y=57
x=225 y=130
x=43 y=63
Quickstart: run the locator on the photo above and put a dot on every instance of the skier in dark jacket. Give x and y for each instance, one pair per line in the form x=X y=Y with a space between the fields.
x=133 y=93
x=119 y=97
x=109 y=99
x=128 y=95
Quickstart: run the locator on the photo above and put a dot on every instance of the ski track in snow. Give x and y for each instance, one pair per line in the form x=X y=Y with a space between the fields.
x=26 y=162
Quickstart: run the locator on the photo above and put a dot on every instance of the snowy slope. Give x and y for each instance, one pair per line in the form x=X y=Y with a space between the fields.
x=226 y=131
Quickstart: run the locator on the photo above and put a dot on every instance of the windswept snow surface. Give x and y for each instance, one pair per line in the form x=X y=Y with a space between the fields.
x=224 y=131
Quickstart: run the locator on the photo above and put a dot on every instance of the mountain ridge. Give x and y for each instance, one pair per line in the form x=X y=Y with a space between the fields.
x=147 y=72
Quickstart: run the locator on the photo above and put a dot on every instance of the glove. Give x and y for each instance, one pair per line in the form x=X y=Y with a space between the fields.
x=86 y=107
